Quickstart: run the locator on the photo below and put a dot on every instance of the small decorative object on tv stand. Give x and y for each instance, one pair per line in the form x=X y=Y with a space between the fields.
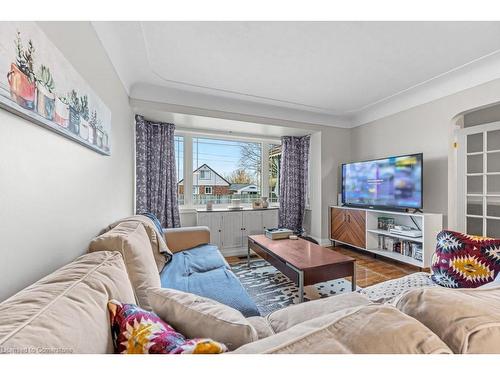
x=359 y=227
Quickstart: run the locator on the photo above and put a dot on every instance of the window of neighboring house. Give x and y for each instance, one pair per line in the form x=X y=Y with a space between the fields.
x=179 y=163
x=229 y=166
x=196 y=190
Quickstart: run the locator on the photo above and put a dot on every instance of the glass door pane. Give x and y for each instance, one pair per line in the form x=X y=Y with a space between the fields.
x=474 y=184
x=475 y=206
x=475 y=163
x=474 y=226
x=493 y=184
x=475 y=142
x=493 y=206
x=493 y=228
x=494 y=162
x=493 y=140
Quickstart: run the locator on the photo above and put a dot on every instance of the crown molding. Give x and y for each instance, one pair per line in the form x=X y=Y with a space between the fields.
x=470 y=75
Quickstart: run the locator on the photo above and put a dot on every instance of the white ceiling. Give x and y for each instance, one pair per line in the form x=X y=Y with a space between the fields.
x=328 y=73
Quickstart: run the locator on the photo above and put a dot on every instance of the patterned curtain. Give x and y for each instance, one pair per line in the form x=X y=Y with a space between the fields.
x=156 y=176
x=293 y=181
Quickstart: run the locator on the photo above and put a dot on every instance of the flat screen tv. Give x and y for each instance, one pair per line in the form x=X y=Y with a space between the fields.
x=390 y=183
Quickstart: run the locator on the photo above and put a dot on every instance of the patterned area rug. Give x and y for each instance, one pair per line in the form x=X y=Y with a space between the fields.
x=271 y=290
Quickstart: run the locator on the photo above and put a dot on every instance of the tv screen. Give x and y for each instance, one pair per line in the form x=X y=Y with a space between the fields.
x=394 y=182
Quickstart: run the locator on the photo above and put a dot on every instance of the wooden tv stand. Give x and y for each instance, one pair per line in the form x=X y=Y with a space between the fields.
x=358 y=227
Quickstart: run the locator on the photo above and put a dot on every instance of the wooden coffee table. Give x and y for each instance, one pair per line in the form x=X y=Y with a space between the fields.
x=303 y=262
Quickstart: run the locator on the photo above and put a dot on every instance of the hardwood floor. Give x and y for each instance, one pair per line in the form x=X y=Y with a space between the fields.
x=369 y=270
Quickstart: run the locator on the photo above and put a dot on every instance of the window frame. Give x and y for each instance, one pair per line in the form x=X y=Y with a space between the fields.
x=211 y=190
x=188 y=136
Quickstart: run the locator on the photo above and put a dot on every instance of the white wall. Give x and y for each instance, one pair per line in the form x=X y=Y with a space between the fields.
x=55 y=195
x=329 y=149
x=426 y=128
x=335 y=150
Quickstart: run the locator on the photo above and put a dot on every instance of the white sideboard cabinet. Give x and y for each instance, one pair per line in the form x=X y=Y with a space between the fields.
x=229 y=229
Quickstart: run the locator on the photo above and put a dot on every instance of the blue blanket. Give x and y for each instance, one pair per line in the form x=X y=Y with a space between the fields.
x=205 y=272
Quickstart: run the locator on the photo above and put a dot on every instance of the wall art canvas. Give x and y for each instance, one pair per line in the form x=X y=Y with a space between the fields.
x=39 y=84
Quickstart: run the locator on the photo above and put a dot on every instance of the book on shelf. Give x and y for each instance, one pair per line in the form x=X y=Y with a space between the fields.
x=403 y=247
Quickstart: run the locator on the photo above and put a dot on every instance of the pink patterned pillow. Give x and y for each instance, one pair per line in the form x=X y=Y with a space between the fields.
x=137 y=331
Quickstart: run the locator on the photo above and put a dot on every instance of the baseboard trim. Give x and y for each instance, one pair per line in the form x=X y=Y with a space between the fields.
x=235 y=252
x=323 y=241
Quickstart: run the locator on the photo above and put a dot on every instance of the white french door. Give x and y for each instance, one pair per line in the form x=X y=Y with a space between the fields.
x=479 y=180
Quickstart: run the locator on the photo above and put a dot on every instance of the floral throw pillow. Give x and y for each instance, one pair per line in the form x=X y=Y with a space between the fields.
x=464 y=261
x=137 y=331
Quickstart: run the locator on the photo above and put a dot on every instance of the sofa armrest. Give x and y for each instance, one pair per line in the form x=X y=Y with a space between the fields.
x=179 y=239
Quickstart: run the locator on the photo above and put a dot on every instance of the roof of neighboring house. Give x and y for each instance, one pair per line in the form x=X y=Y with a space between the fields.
x=213 y=170
x=237 y=187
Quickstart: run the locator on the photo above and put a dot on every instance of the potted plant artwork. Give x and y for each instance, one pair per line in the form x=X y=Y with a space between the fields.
x=45 y=102
x=93 y=127
x=21 y=76
x=40 y=85
x=100 y=135
x=105 y=141
x=84 y=118
x=74 y=113
x=62 y=111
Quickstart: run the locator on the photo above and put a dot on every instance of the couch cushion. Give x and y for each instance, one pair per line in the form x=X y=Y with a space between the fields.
x=155 y=221
x=66 y=311
x=203 y=271
x=468 y=320
x=131 y=240
x=161 y=252
x=196 y=316
x=287 y=317
x=261 y=326
x=360 y=330
x=464 y=261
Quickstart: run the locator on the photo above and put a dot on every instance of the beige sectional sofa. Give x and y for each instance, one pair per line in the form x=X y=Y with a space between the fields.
x=66 y=312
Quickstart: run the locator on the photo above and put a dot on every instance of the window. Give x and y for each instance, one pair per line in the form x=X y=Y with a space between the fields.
x=231 y=167
x=225 y=169
x=274 y=172
x=179 y=163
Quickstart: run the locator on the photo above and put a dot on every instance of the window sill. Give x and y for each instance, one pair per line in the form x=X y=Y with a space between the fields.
x=194 y=209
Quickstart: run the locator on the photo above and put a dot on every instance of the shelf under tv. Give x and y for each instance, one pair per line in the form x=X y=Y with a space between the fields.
x=358 y=227
x=389 y=234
